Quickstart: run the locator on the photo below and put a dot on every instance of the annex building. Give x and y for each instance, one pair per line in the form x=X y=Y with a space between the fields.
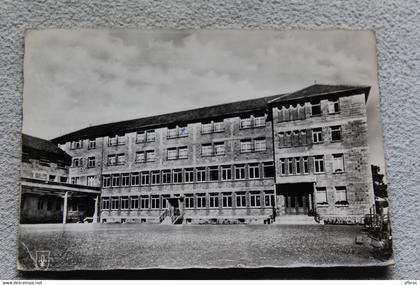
x=298 y=154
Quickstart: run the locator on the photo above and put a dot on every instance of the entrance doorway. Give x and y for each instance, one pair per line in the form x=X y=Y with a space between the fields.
x=298 y=198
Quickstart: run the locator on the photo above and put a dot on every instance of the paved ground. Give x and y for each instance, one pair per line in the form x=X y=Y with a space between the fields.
x=102 y=246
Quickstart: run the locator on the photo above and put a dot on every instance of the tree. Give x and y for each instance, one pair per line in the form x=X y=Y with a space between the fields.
x=379 y=187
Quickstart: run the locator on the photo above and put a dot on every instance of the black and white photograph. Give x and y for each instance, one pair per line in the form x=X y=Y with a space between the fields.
x=177 y=149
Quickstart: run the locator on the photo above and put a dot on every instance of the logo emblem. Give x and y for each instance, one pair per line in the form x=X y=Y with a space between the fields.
x=43 y=259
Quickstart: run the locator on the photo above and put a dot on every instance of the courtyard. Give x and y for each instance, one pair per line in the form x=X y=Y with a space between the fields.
x=130 y=246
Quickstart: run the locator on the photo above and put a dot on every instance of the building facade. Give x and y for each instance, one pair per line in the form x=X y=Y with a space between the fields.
x=254 y=161
x=46 y=195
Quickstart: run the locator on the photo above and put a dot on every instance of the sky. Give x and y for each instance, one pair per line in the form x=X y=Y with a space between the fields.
x=77 y=78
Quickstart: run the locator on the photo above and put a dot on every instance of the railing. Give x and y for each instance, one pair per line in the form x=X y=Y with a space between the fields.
x=163 y=215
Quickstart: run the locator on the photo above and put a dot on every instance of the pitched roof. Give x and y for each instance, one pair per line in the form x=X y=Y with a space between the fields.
x=321 y=90
x=37 y=148
x=205 y=113
x=187 y=116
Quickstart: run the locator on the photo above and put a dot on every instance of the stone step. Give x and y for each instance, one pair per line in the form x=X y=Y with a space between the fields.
x=295 y=220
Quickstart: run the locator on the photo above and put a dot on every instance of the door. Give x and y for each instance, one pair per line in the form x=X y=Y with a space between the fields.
x=297 y=204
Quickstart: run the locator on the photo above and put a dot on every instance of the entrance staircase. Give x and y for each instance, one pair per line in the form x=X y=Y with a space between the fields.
x=168 y=218
x=295 y=220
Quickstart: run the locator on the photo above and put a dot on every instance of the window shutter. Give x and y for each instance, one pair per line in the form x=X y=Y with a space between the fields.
x=281 y=140
x=331 y=108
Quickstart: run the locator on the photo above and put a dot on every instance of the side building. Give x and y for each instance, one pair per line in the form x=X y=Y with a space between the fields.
x=223 y=164
x=46 y=195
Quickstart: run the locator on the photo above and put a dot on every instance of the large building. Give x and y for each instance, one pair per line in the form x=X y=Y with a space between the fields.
x=297 y=154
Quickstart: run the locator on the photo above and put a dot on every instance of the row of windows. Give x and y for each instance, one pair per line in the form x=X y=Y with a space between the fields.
x=300 y=112
x=340 y=195
x=211 y=149
x=304 y=137
x=191 y=175
x=90 y=180
x=254 y=199
x=300 y=165
x=175 y=132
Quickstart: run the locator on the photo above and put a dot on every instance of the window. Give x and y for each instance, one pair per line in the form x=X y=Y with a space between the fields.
x=319 y=164
x=219 y=126
x=201 y=174
x=155 y=202
x=172 y=153
x=40 y=204
x=189 y=201
x=321 y=195
x=135 y=179
x=91 y=162
x=134 y=202
x=76 y=162
x=259 y=121
x=144 y=202
x=106 y=181
x=246 y=146
x=183 y=152
x=121 y=158
x=268 y=169
x=125 y=179
x=166 y=176
x=295 y=139
x=105 y=203
x=335 y=133
x=115 y=203
x=254 y=171
x=116 y=140
x=246 y=123
x=214 y=200
x=115 y=180
x=206 y=128
x=179 y=131
x=227 y=200
x=333 y=107
x=76 y=144
x=260 y=144
x=219 y=148
x=338 y=162
x=150 y=155
x=214 y=173
x=240 y=172
x=165 y=201
x=140 y=156
x=124 y=203
x=282 y=166
x=305 y=165
x=341 y=195
x=155 y=177
x=316 y=109
x=63 y=179
x=177 y=175
x=75 y=180
x=201 y=201
x=51 y=178
x=281 y=139
x=92 y=144
x=269 y=199
x=226 y=172
x=183 y=131
x=303 y=138
x=297 y=165
x=206 y=150
x=255 y=199
x=290 y=166
x=145 y=136
x=145 y=178
x=189 y=175
x=91 y=181
x=112 y=159
x=240 y=200
x=317 y=135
